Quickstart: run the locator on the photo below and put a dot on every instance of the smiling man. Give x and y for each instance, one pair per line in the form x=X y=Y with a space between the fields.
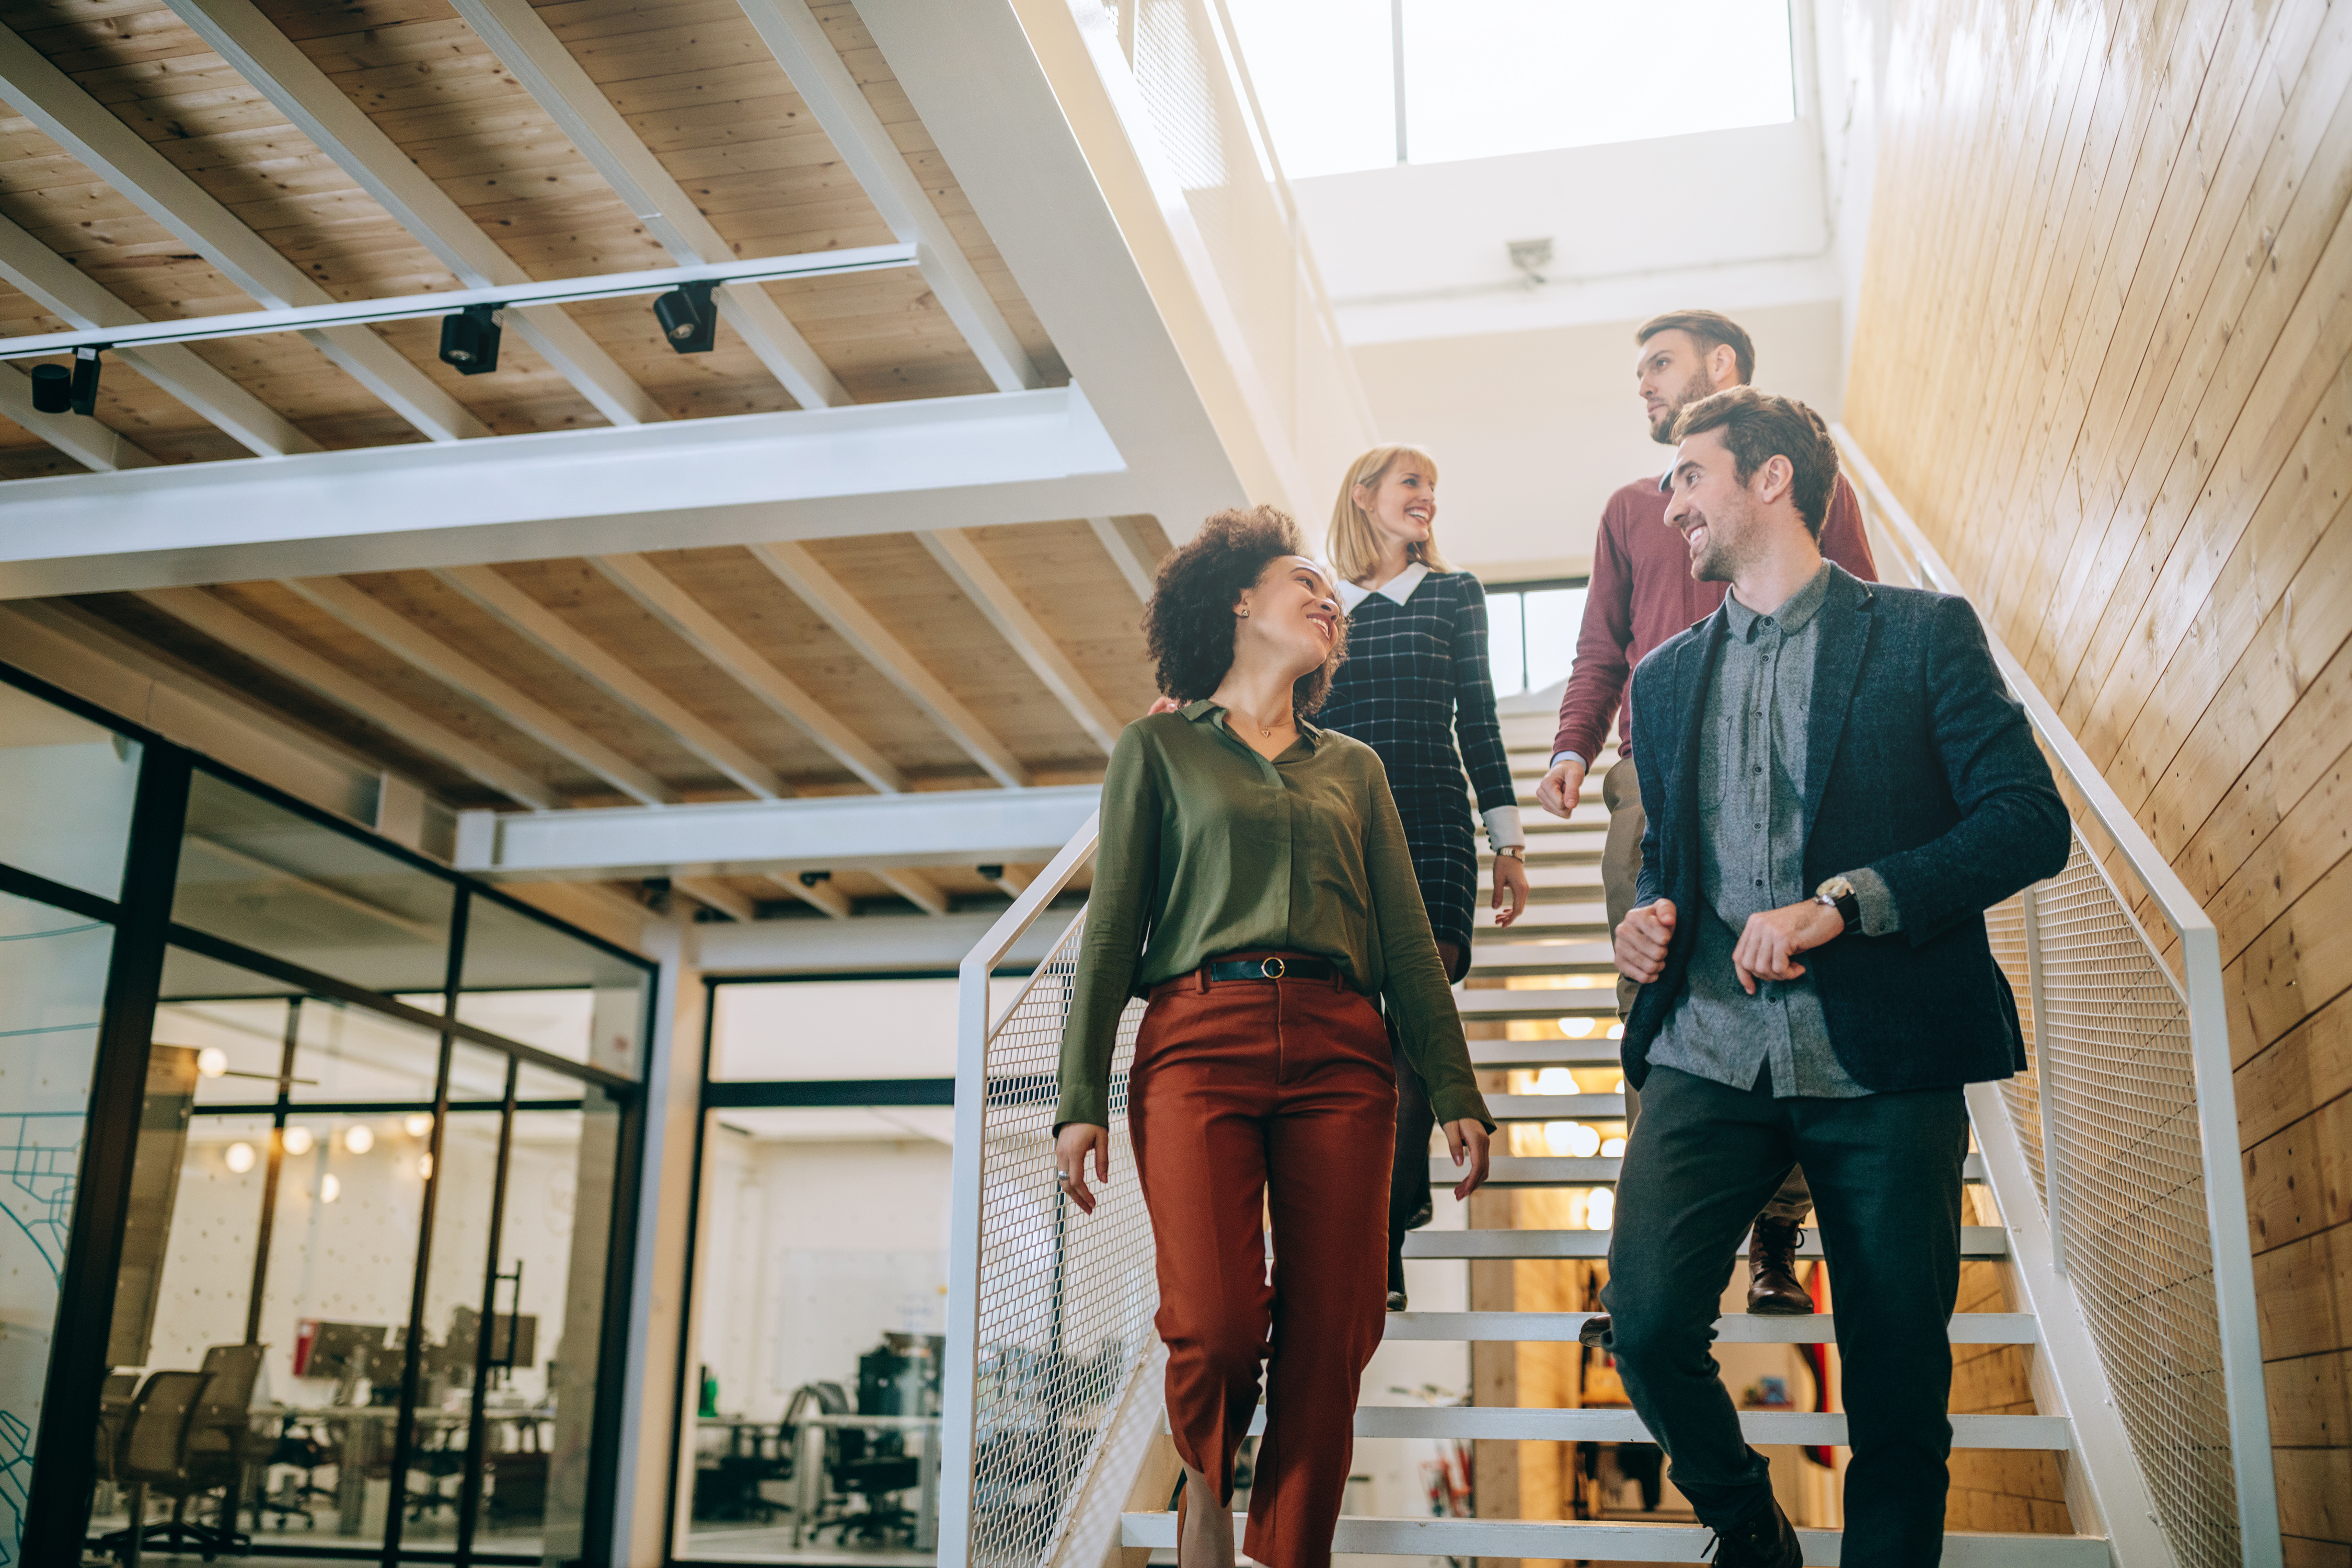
x=1838 y=785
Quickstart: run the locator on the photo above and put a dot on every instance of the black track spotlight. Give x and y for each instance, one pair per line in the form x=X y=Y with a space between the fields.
x=689 y=317
x=52 y=388
x=469 y=340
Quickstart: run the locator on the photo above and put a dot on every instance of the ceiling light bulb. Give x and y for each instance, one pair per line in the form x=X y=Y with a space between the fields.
x=1555 y=1080
x=424 y=1166
x=239 y=1158
x=1600 y=1209
x=1616 y=1031
x=1556 y=1136
x=417 y=1123
x=299 y=1139
x=359 y=1139
x=1613 y=1148
x=1583 y=1142
x=331 y=1187
x=1576 y=1028
x=212 y=1061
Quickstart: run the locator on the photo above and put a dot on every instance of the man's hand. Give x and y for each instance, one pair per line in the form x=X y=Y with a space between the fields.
x=1642 y=939
x=1769 y=946
x=1467 y=1140
x=1070 y=1159
x=1511 y=877
x=1557 y=792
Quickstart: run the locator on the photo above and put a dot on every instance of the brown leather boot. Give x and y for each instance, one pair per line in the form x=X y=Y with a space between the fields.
x=1773 y=1289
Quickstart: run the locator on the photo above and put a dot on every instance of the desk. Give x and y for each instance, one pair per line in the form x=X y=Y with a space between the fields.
x=362 y=1441
x=809 y=1471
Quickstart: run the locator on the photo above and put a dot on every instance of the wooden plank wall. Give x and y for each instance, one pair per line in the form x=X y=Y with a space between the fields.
x=2102 y=356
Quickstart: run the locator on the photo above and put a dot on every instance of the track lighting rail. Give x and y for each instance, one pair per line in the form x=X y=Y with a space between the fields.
x=406 y=307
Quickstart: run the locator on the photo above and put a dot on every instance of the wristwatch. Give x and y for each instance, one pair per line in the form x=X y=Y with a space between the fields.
x=1838 y=894
x=1516 y=851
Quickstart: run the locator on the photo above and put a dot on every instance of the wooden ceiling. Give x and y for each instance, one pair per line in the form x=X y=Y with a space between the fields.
x=960 y=660
x=694 y=83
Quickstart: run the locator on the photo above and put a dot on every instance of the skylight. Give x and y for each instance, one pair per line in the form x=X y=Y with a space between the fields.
x=1482 y=78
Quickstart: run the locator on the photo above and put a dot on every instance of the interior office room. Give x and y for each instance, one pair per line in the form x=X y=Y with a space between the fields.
x=570 y=570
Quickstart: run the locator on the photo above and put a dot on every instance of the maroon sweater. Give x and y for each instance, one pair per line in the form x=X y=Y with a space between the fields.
x=1641 y=593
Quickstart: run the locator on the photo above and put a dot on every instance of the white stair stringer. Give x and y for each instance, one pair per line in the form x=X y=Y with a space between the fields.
x=1090 y=1524
x=2105 y=1489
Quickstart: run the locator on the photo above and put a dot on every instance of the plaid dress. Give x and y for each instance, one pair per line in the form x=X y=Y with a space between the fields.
x=1415 y=679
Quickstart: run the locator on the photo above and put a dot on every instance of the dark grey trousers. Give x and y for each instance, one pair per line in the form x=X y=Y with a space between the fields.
x=1886 y=1173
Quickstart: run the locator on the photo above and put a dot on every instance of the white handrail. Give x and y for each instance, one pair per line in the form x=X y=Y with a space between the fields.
x=2199 y=986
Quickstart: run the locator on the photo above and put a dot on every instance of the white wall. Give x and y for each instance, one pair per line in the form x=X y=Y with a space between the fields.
x=1532 y=430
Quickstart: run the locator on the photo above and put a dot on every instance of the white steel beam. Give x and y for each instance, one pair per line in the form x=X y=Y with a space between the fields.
x=914 y=888
x=859 y=626
x=713 y=895
x=572 y=99
x=412 y=644
x=98 y=447
x=818 y=895
x=886 y=467
x=64 y=291
x=812 y=833
x=956 y=551
x=1121 y=546
x=712 y=639
x=799 y=43
x=870 y=943
x=241 y=633
x=565 y=643
x=269 y=61
x=125 y=160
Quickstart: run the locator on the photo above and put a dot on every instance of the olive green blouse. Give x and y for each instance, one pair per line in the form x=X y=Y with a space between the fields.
x=1209 y=849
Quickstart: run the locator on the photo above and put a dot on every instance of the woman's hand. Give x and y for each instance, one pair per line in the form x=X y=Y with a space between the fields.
x=1510 y=877
x=1078 y=1136
x=1467 y=1140
x=1162 y=705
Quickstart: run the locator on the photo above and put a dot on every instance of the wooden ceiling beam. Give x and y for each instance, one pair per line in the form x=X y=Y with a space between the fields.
x=557 y=637
x=528 y=48
x=66 y=293
x=119 y=155
x=716 y=896
x=955 y=552
x=709 y=636
x=824 y=592
x=421 y=650
x=916 y=889
x=87 y=441
x=798 y=40
x=235 y=630
x=314 y=105
x=820 y=894
x=1119 y=544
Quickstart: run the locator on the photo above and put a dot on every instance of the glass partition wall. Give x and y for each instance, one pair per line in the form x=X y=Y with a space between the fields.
x=320 y=1154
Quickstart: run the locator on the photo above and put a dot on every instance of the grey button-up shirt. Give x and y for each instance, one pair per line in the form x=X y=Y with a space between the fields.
x=1751 y=792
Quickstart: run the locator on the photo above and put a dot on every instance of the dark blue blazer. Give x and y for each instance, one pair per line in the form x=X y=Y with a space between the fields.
x=1920 y=765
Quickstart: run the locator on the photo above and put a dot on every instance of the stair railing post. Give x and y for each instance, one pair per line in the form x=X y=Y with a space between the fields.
x=2045 y=1081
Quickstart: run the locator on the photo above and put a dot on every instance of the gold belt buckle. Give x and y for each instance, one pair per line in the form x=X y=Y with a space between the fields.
x=1273 y=968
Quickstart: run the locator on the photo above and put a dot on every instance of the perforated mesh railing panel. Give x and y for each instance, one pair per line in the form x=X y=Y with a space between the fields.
x=2126 y=1177
x=2005 y=924
x=1066 y=1299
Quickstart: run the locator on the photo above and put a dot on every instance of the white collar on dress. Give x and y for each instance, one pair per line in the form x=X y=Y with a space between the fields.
x=1398 y=588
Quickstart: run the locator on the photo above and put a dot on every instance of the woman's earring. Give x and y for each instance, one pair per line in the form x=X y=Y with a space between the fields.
x=1243 y=614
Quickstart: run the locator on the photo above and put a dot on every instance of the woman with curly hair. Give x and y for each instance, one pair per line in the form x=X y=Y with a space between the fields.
x=1253 y=882
x=1416 y=677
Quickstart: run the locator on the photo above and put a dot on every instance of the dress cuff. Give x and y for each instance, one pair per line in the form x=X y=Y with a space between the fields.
x=1503 y=829
x=1881 y=916
x=1560 y=757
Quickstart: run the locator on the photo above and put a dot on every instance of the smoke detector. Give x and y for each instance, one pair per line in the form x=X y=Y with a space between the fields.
x=1531 y=257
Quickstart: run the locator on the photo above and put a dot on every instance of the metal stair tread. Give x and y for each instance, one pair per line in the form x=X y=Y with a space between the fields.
x=1568 y=1171
x=1623 y=1542
x=1977 y=1243
x=1616 y=1423
x=1598 y=1051
x=1733 y=1329
x=1564 y=1001
x=1556 y=1107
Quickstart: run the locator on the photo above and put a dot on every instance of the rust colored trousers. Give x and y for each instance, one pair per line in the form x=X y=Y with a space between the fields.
x=1252 y=1097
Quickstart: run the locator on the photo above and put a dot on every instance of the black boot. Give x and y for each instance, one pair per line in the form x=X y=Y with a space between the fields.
x=1772 y=1286
x=1762 y=1540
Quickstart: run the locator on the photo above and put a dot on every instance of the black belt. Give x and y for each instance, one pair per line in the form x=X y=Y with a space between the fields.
x=1274 y=966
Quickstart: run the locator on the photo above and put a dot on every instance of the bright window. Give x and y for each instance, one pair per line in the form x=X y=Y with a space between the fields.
x=1531 y=633
x=1481 y=78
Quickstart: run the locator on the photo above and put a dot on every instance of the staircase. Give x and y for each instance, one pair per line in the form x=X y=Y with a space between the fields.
x=1562 y=940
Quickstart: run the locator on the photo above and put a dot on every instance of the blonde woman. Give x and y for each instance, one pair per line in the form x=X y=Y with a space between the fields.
x=1417 y=689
